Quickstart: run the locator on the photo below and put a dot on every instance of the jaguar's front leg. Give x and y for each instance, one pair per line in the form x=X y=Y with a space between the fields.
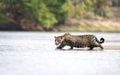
x=71 y=46
x=61 y=45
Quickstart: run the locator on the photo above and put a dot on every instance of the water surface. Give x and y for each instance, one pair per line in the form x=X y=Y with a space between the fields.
x=34 y=53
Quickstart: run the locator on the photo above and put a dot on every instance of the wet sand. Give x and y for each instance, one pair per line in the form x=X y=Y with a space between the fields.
x=112 y=47
x=112 y=40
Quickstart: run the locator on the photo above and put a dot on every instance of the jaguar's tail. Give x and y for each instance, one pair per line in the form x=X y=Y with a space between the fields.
x=101 y=40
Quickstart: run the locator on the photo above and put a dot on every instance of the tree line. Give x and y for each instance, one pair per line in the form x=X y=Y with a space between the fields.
x=53 y=12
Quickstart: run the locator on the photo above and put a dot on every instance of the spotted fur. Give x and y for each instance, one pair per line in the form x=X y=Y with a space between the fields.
x=78 y=41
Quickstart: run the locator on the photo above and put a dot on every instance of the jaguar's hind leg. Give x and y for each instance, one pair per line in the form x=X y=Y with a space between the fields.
x=91 y=48
x=98 y=45
x=101 y=47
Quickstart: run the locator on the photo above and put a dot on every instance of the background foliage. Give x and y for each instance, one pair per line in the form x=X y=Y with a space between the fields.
x=54 y=12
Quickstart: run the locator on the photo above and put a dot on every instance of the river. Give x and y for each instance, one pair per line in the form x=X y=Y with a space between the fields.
x=34 y=53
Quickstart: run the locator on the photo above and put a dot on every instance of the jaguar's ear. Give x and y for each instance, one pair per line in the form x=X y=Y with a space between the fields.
x=67 y=33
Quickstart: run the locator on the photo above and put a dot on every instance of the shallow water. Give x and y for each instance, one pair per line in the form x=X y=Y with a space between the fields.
x=34 y=53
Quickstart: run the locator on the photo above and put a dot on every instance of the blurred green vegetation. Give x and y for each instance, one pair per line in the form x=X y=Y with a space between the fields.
x=54 y=12
x=48 y=12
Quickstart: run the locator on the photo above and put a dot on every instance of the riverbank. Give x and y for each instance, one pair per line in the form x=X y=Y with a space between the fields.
x=72 y=25
x=91 y=25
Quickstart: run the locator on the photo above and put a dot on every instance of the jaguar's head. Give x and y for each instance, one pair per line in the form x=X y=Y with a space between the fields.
x=58 y=40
